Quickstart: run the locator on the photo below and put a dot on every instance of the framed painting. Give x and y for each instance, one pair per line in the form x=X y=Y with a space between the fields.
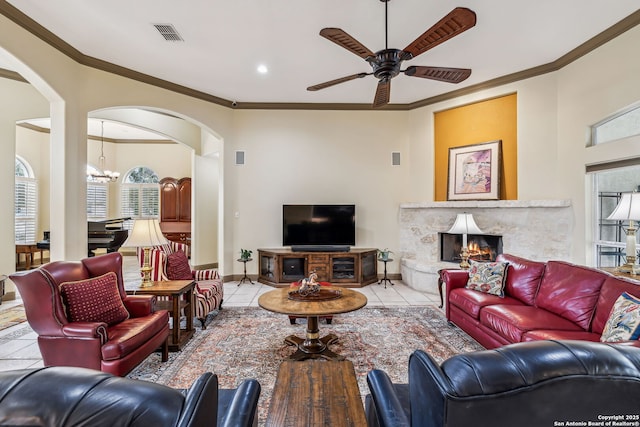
x=474 y=172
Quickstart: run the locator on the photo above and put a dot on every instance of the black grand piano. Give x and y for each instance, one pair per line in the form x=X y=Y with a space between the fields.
x=109 y=234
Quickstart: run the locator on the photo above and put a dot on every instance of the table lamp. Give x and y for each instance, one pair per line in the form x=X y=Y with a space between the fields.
x=464 y=225
x=146 y=233
x=628 y=209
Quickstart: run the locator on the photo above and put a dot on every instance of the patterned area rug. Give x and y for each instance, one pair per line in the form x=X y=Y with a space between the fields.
x=248 y=342
x=12 y=316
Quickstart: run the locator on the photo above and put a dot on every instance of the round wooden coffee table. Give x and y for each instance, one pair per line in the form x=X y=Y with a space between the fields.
x=312 y=346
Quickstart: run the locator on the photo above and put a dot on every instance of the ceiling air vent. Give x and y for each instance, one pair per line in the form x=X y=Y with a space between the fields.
x=169 y=32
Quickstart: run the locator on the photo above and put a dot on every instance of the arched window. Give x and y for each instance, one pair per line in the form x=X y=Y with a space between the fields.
x=140 y=195
x=97 y=196
x=26 y=203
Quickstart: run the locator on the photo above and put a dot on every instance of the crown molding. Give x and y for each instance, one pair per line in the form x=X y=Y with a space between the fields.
x=47 y=36
x=98 y=138
x=12 y=75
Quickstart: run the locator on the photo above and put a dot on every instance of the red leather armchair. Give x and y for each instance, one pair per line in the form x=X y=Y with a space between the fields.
x=115 y=348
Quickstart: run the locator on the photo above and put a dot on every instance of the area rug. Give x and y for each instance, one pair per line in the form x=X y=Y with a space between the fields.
x=248 y=342
x=11 y=316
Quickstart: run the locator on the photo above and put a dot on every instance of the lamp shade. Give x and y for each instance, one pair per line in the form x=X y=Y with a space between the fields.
x=628 y=208
x=465 y=224
x=145 y=233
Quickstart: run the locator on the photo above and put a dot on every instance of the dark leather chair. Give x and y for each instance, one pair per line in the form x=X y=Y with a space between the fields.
x=67 y=396
x=523 y=384
x=116 y=348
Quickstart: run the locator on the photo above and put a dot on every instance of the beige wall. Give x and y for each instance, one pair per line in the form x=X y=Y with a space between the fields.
x=317 y=157
x=345 y=156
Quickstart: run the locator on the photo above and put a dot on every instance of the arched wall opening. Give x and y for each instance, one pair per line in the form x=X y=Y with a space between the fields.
x=189 y=150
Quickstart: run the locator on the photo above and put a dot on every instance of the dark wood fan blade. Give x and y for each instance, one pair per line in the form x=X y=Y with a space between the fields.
x=337 y=81
x=383 y=93
x=449 y=75
x=457 y=21
x=343 y=39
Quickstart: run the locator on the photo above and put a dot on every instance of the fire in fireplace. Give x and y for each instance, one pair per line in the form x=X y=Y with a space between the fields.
x=482 y=247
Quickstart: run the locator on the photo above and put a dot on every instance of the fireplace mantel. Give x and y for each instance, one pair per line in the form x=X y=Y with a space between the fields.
x=533 y=229
x=562 y=203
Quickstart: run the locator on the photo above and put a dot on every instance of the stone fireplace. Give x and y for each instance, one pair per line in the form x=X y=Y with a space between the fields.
x=481 y=247
x=536 y=229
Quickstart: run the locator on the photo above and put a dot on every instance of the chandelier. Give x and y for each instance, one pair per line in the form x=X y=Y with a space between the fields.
x=102 y=175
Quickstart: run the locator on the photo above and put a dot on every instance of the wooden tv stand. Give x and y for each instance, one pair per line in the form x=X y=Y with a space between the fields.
x=355 y=268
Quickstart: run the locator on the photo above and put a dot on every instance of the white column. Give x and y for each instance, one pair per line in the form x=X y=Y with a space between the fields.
x=205 y=204
x=68 y=182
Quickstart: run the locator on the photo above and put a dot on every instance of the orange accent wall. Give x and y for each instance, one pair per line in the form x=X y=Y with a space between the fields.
x=483 y=121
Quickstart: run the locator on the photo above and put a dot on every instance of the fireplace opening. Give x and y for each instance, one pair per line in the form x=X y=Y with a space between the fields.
x=482 y=247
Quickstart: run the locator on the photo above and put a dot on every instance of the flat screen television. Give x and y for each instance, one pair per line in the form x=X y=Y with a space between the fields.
x=318 y=225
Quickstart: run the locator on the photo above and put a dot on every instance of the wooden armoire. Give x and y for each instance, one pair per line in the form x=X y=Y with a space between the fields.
x=175 y=209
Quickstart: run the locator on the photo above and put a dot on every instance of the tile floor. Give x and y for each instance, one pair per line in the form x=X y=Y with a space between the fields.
x=19 y=349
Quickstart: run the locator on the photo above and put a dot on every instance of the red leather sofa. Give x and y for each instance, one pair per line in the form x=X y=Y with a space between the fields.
x=115 y=348
x=555 y=300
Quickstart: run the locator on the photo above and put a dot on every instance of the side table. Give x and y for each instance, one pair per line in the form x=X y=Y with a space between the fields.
x=245 y=277
x=616 y=272
x=2 y=279
x=28 y=249
x=174 y=289
x=441 y=283
x=385 y=279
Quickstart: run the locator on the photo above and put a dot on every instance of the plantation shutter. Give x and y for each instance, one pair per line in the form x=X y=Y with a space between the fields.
x=25 y=209
x=139 y=201
x=97 y=201
x=150 y=201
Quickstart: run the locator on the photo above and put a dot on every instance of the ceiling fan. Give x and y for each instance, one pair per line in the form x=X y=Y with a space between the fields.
x=386 y=62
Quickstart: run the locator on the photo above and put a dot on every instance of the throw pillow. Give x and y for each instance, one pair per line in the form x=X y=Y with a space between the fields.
x=487 y=277
x=624 y=320
x=178 y=267
x=94 y=300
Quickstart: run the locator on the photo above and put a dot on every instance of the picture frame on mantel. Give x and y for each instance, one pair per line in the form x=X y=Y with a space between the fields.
x=474 y=171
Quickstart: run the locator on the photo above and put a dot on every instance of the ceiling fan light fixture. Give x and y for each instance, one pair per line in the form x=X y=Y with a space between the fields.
x=386 y=63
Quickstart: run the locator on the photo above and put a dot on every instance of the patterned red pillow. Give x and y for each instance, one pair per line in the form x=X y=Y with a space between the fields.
x=94 y=300
x=178 y=267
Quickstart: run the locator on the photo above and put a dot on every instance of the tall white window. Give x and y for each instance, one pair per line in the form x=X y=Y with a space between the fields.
x=97 y=197
x=609 y=181
x=26 y=203
x=140 y=195
x=610 y=235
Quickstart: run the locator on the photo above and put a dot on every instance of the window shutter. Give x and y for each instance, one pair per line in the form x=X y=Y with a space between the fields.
x=149 y=200
x=25 y=210
x=97 y=201
x=129 y=201
x=139 y=201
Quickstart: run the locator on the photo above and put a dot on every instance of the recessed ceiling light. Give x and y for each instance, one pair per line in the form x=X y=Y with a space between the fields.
x=262 y=69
